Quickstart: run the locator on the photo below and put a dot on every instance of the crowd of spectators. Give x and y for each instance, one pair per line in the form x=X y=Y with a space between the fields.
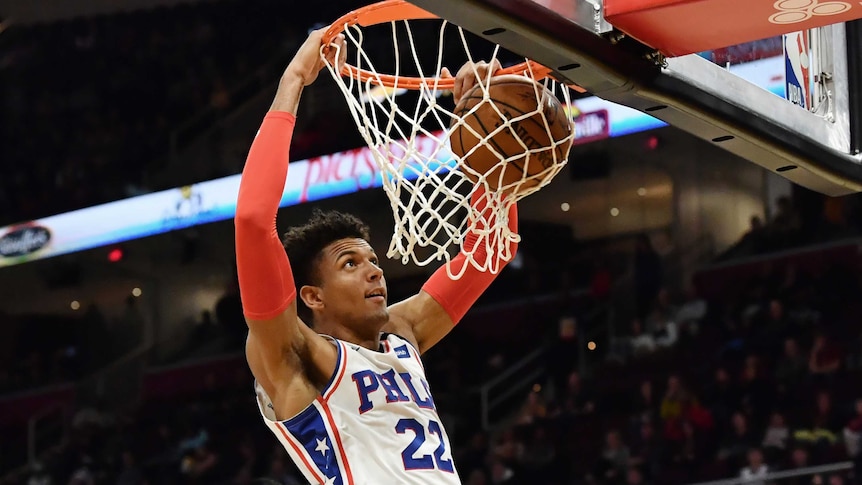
x=805 y=218
x=44 y=349
x=756 y=381
x=89 y=104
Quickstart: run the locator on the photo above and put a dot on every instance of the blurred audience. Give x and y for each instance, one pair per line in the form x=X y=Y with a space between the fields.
x=92 y=107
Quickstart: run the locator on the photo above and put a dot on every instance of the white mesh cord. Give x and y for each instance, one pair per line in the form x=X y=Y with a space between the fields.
x=428 y=188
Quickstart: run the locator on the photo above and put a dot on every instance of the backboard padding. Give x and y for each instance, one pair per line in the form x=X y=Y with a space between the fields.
x=678 y=93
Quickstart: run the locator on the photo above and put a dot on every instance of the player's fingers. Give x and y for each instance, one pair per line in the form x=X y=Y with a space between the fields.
x=459 y=89
x=485 y=71
x=477 y=73
x=342 y=50
x=336 y=48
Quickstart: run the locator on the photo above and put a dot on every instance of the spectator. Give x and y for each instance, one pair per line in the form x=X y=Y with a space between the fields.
x=799 y=458
x=576 y=400
x=756 y=468
x=853 y=432
x=786 y=220
x=38 y=475
x=615 y=458
x=501 y=473
x=737 y=441
x=477 y=477
x=791 y=367
x=648 y=275
x=83 y=475
x=644 y=405
x=754 y=236
x=690 y=451
x=722 y=396
x=473 y=456
x=777 y=434
x=533 y=409
x=825 y=414
x=825 y=358
x=601 y=279
x=646 y=449
x=539 y=455
x=692 y=310
x=635 y=477
x=771 y=326
x=199 y=465
x=640 y=342
x=131 y=473
x=756 y=391
x=508 y=449
x=674 y=399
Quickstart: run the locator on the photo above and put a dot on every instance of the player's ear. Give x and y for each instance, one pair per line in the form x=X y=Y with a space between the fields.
x=312 y=296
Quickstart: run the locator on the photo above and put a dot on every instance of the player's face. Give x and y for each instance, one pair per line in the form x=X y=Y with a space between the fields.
x=352 y=284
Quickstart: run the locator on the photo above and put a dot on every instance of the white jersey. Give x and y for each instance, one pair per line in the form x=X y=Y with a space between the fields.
x=374 y=423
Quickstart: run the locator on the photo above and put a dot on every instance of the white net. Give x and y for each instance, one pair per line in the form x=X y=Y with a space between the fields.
x=437 y=199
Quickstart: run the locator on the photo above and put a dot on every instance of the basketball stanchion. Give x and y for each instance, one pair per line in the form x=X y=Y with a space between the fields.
x=507 y=137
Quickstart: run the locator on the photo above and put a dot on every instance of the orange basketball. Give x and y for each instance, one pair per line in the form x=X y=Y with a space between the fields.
x=514 y=96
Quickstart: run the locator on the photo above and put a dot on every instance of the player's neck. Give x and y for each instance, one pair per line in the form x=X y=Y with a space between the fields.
x=370 y=339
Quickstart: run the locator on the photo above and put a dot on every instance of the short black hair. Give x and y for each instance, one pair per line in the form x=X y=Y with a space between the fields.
x=304 y=245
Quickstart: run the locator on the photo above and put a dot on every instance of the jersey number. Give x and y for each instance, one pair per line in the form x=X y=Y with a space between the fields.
x=424 y=462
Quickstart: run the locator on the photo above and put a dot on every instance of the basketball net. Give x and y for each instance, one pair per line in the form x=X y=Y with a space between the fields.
x=428 y=187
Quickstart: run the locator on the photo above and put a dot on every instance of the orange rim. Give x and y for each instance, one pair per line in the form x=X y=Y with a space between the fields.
x=392 y=10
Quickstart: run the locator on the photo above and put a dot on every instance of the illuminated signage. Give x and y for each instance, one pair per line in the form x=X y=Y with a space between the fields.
x=314 y=179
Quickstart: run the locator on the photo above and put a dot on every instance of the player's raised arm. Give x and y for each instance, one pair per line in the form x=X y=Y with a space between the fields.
x=443 y=302
x=432 y=313
x=279 y=344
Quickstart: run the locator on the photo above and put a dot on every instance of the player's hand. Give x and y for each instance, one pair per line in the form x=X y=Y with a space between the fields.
x=307 y=62
x=469 y=75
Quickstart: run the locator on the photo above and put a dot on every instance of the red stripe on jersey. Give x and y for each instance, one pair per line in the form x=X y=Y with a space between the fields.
x=416 y=356
x=337 y=440
x=298 y=450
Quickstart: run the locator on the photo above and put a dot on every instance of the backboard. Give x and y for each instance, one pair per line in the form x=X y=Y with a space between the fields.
x=808 y=131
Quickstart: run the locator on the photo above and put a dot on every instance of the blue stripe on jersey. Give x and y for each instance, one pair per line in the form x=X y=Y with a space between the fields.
x=337 y=368
x=308 y=428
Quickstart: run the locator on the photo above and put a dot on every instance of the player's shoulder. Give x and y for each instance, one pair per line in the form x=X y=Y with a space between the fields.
x=394 y=338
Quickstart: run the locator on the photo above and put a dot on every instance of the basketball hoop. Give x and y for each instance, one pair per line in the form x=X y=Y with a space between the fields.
x=429 y=188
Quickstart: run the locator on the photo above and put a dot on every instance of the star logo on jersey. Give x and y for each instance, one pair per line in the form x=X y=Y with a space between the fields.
x=329 y=481
x=322 y=446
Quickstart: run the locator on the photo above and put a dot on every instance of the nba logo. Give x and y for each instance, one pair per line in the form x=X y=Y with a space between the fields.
x=402 y=352
x=797 y=63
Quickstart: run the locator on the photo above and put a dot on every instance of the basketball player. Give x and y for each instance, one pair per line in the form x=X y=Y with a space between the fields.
x=339 y=378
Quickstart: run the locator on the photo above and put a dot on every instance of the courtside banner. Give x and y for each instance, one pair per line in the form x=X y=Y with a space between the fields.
x=309 y=180
x=169 y=210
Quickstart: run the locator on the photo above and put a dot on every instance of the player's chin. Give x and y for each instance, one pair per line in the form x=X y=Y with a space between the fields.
x=378 y=312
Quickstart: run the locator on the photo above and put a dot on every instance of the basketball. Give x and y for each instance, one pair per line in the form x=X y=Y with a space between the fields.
x=514 y=96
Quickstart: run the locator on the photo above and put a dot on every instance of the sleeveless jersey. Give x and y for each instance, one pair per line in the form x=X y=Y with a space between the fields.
x=374 y=423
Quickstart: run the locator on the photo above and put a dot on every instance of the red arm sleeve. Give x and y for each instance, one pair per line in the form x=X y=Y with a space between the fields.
x=265 y=278
x=456 y=297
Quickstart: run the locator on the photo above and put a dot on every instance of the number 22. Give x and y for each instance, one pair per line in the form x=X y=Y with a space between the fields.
x=424 y=462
